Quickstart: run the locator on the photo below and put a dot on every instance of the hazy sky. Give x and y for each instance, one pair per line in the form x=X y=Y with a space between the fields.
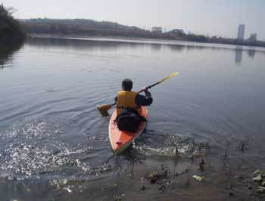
x=211 y=17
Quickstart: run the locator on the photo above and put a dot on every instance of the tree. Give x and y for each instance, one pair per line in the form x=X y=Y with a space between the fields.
x=10 y=30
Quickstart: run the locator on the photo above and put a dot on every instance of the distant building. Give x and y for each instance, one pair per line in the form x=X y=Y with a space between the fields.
x=241 y=32
x=175 y=33
x=178 y=31
x=157 y=29
x=253 y=37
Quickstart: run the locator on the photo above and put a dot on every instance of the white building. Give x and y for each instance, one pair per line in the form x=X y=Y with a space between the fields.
x=241 y=32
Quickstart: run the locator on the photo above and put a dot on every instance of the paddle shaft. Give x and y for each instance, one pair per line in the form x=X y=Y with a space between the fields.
x=164 y=79
x=149 y=87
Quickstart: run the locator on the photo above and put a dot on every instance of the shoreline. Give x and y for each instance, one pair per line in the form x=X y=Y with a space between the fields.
x=151 y=41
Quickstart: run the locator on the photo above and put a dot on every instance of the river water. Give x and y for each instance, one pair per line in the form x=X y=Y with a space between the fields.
x=54 y=143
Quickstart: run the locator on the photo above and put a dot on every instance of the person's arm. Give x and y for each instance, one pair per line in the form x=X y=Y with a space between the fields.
x=144 y=100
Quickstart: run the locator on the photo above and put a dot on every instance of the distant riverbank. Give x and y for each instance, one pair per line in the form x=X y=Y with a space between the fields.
x=91 y=28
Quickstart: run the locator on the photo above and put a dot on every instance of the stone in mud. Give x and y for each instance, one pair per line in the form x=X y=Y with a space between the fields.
x=250 y=187
x=142 y=182
x=260 y=190
x=162 y=188
x=258 y=178
x=156 y=176
x=186 y=170
x=202 y=165
x=142 y=188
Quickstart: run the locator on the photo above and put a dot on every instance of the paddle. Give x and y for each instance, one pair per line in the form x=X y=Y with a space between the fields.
x=103 y=109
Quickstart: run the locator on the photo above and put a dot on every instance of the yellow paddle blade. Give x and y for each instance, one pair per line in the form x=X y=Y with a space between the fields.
x=103 y=109
x=168 y=77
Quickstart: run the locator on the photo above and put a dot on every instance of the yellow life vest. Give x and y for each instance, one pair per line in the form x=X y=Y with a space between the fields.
x=126 y=99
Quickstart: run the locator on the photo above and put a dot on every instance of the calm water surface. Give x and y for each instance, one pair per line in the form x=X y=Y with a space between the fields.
x=54 y=144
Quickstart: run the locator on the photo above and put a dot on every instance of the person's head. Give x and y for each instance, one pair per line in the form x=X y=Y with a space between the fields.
x=127 y=84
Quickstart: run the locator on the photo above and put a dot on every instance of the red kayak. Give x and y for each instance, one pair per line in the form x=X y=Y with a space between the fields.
x=120 y=140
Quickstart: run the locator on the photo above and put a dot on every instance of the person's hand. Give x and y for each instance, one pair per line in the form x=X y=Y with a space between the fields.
x=147 y=93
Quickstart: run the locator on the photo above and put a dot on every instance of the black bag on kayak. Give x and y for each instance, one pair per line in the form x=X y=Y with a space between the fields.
x=129 y=120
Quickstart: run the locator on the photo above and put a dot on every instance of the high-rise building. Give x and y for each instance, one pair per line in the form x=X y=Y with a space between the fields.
x=241 y=32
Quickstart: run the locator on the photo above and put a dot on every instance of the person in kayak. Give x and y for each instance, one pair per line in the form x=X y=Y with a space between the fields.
x=128 y=105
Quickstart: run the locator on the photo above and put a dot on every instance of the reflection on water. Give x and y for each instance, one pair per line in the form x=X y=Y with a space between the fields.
x=239 y=54
x=251 y=53
x=177 y=48
x=79 y=44
x=6 y=55
x=94 y=44
x=156 y=47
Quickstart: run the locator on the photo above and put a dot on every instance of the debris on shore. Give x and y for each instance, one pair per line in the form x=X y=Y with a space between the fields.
x=259 y=178
x=198 y=178
x=157 y=176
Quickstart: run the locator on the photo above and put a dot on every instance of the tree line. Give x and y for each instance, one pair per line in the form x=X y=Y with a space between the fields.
x=11 y=32
x=84 y=27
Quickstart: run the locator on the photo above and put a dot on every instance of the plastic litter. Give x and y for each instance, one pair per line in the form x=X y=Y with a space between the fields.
x=198 y=178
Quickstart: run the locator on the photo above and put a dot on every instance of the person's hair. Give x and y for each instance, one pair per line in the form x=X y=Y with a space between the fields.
x=127 y=84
